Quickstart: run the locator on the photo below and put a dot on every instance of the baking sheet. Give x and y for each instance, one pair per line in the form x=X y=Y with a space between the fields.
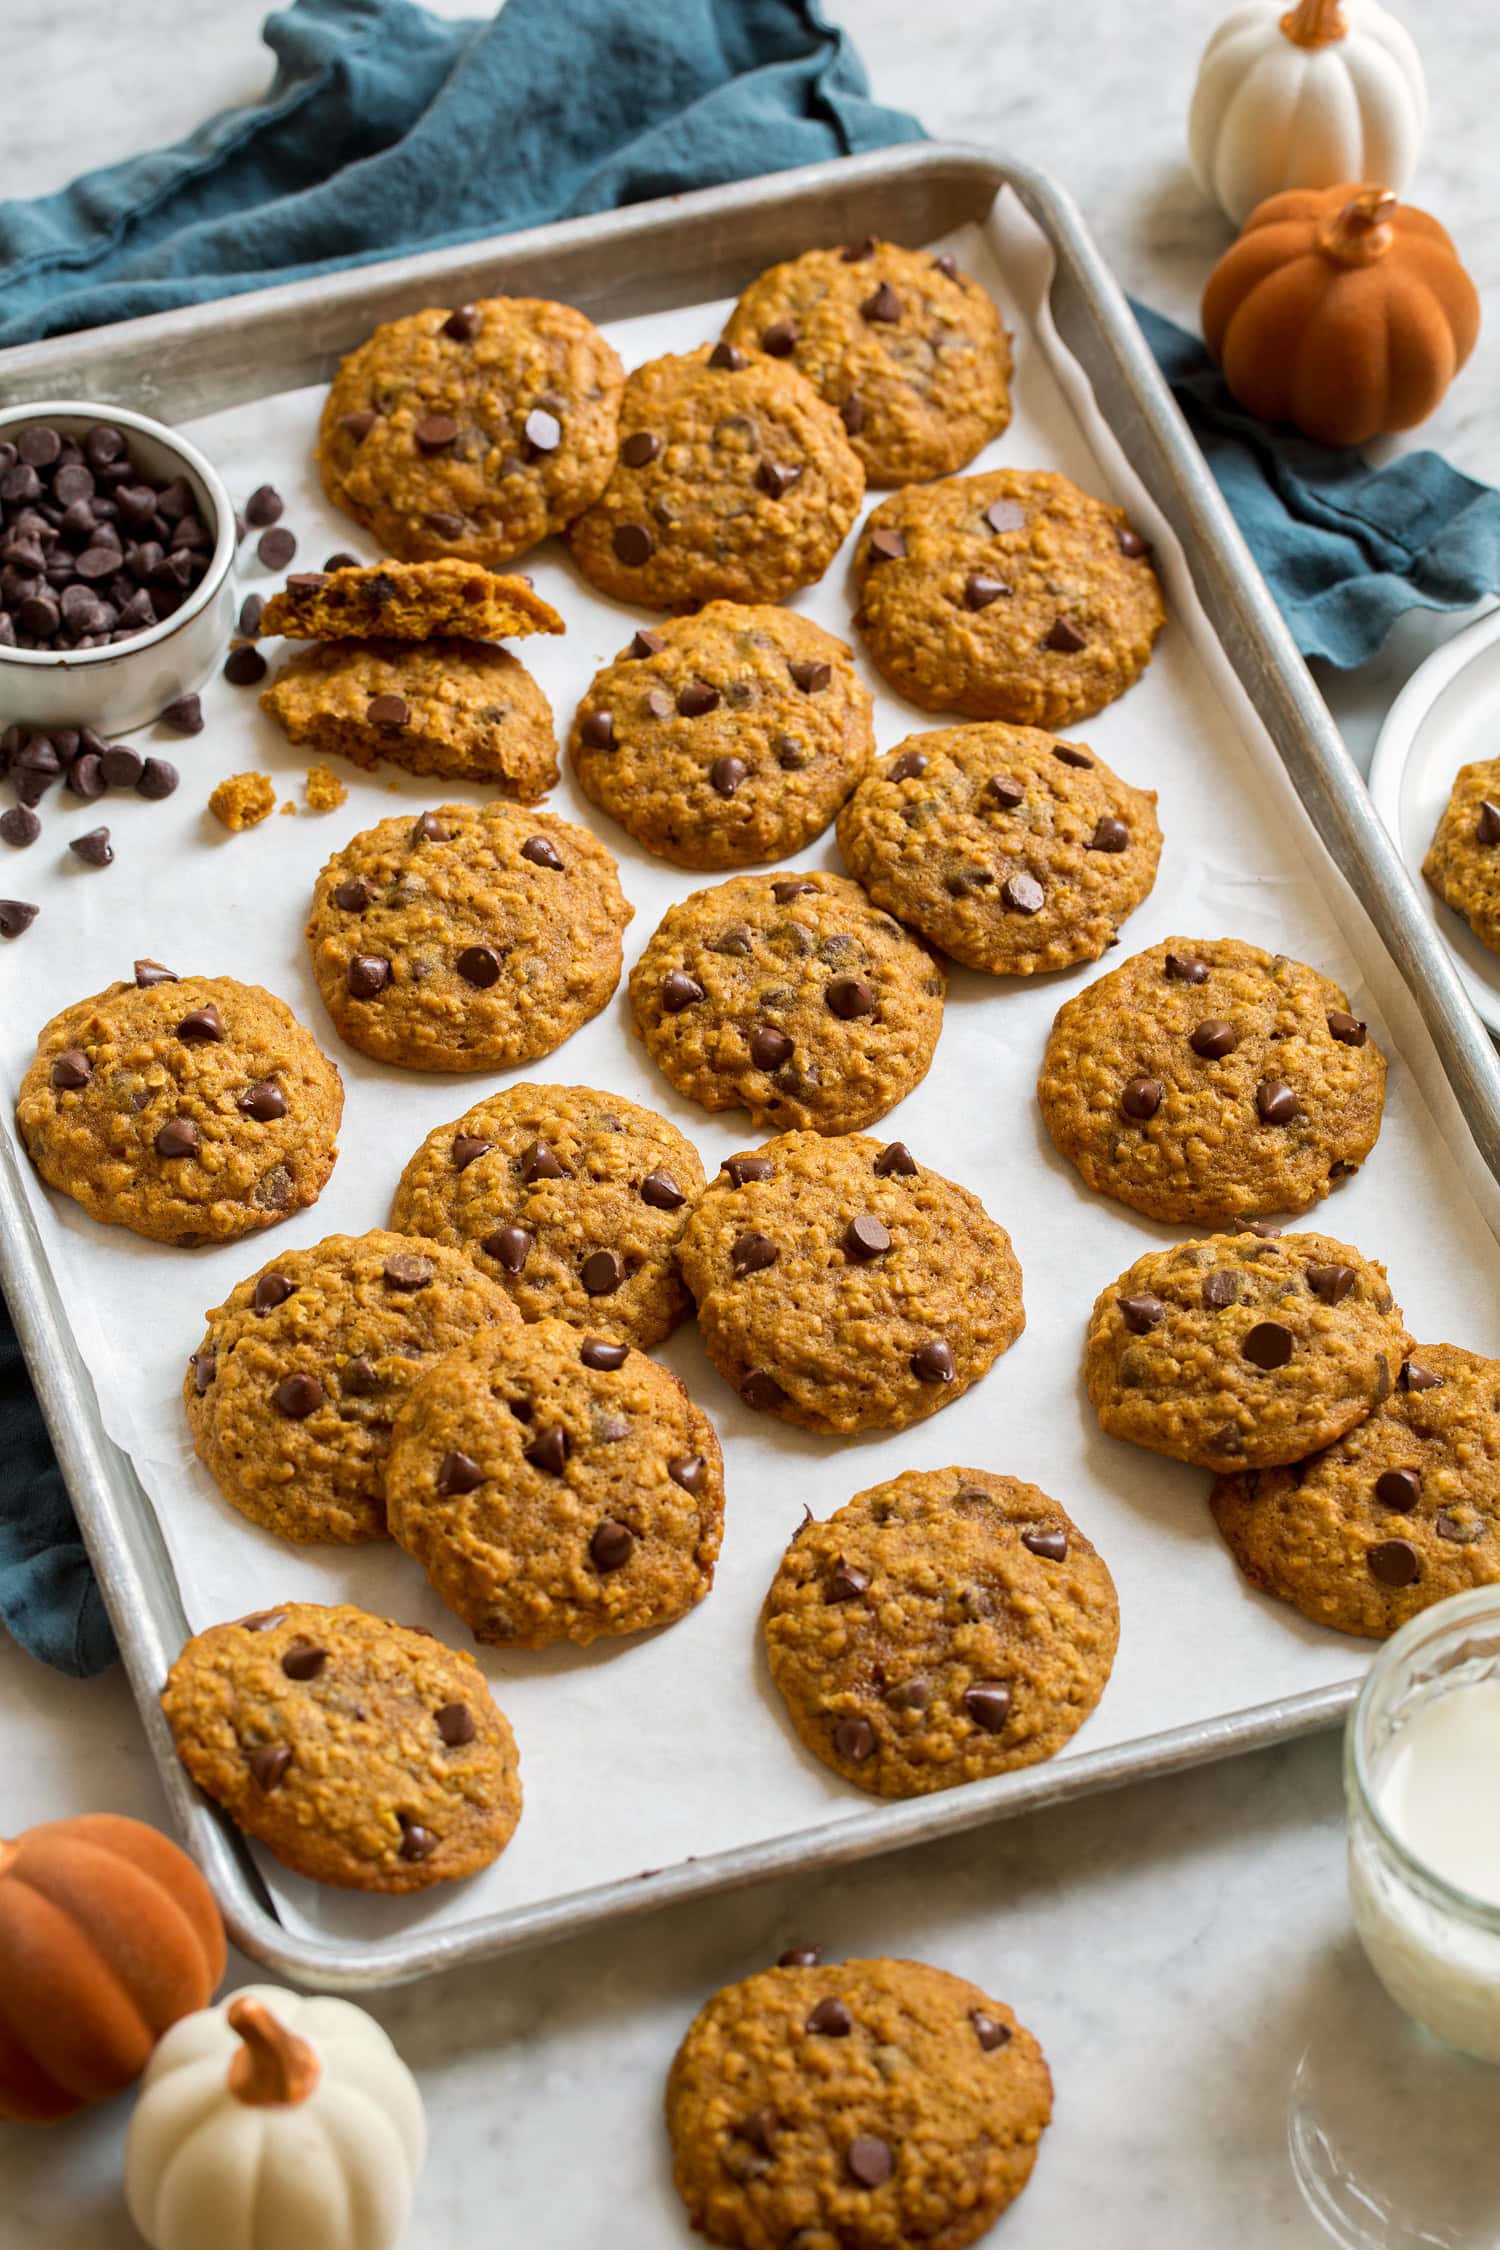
x=638 y=1754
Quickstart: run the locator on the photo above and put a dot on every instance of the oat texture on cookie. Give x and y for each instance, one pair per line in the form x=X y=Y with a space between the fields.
x=1463 y=859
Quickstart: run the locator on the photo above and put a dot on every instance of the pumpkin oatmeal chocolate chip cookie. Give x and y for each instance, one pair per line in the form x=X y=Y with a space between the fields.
x=727 y=737
x=569 y=1200
x=911 y=352
x=874 y=2105
x=470 y=938
x=790 y=996
x=842 y=1286
x=940 y=1628
x=1011 y=595
x=463 y=710
x=1208 y=1080
x=1463 y=859
x=1007 y=849
x=474 y=432
x=291 y=1394
x=734 y=482
x=398 y=601
x=189 y=1109
x=1244 y=1352
x=1397 y=1515
x=556 y=1485
x=359 y=1752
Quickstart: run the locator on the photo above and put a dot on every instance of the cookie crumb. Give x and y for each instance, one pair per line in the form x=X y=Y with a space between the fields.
x=243 y=799
x=323 y=790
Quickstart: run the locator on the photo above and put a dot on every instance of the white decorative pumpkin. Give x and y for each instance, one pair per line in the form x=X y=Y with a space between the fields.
x=1304 y=97
x=272 y=2122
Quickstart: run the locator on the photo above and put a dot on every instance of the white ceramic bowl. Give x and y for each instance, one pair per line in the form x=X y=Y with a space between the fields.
x=128 y=682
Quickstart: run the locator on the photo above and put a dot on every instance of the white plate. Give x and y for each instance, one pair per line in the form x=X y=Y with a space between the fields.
x=1447 y=715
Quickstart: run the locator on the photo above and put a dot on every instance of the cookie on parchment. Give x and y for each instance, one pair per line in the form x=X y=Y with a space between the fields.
x=469 y=938
x=556 y=1485
x=1009 y=850
x=189 y=1109
x=1244 y=1351
x=359 y=1752
x=474 y=432
x=569 y=1200
x=1463 y=859
x=1208 y=1080
x=727 y=737
x=399 y=601
x=873 y=2105
x=1397 y=1515
x=1011 y=595
x=291 y=1394
x=734 y=482
x=948 y=1625
x=463 y=710
x=790 y=996
x=842 y=1286
x=912 y=352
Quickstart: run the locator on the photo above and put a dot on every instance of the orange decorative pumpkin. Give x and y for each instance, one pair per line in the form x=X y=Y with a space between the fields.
x=1340 y=310
x=108 y=1934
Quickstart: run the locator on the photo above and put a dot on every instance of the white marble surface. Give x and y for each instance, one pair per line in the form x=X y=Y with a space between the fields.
x=1181 y=1949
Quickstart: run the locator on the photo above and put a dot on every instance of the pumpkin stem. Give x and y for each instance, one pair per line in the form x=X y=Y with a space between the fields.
x=274 y=2068
x=1361 y=231
x=1315 y=23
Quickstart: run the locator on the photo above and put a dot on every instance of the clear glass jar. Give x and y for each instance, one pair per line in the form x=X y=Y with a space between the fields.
x=1435 y=1948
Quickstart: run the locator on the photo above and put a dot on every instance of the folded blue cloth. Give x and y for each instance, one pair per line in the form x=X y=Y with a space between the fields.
x=385 y=130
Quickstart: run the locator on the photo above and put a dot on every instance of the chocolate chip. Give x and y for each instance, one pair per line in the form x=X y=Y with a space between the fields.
x=933 y=1362
x=297 y=1396
x=779 y=340
x=548 y=1451
x=988 y=1704
x=1132 y=544
x=769 y=1048
x=989 y=2031
x=1394 y=1562
x=1415 y=1378
x=602 y=1272
x=367 y=975
x=885 y=546
x=1052 y=1546
x=455 y=1724
x=428 y=829
x=1214 y=1038
x=148 y=973
x=1178 y=971
x=353 y=894
x=445 y=526
x=1065 y=637
x=542 y=852
x=882 y=305
x=830 y=2019
x=201 y=1027
x=1110 y=835
x=268 y=1763
x=1141 y=1099
x=1142 y=1314
x=598 y=1352
x=661 y=1192
x=1023 y=894
x=19 y=825
x=980 y=591
x=1331 y=1283
x=690 y=1471
x=121 y=766
x=868 y=2158
x=244 y=665
x=184 y=713
x=543 y=431
x=697 y=698
x=93 y=847
x=761 y=1391
x=407 y=1272
x=387 y=711
x=479 y=965
x=1275 y=1102
x=759 y=2129
x=1399 y=1489
x=611 y=1546
x=789 y=887
x=801 y=1957
x=1347 y=1029
x=434 y=432
x=895 y=1161
x=1004 y=515
x=659 y=704
x=866 y=1238
x=1487 y=828
x=640 y=447
x=276 y=547
x=752 y=1253
x=852 y=413
x=458 y=1473
x=539 y=1162
x=462 y=324
x=1221 y=1289
x=360 y=1379
x=846 y=1582
x=71 y=1069
x=178 y=1137
x=467 y=1149
x=417 y=1842
x=725 y=355
x=265 y=505
x=854 y=1739
x=596 y=730
x=271 y=1290
x=262 y=1101
x=1268 y=1345
x=646 y=643
x=340 y=559
x=205 y=1367
x=743 y=1169
x=158 y=779
x=776 y=478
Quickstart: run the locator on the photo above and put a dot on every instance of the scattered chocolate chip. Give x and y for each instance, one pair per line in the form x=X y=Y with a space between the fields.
x=1415 y=1378
x=611 y=1546
x=353 y=894
x=1214 y=1038
x=885 y=546
x=467 y=1149
x=600 y=1353
x=640 y=447
x=244 y=665
x=1064 y=637
x=148 y=973
x=988 y=1704
x=85 y=777
x=543 y=431
x=1141 y=1099
x=1487 y=828
x=1132 y=544
x=690 y=1471
x=178 y=1137
x=659 y=704
x=1347 y=1029
x=1330 y=1283
x=388 y=711
x=761 y=1391
x=1178 y=971
x=548 y=1451
x=1221 y=1289
x=776 y=478
x=854 y=1739
x=159 y=777
x=881 y=306
x=852 y=414
x=895 y=1161
x=679 y=991
x=458 y=1473
x=276 y=547
x=93 y=847
x=542 y=852
x=445 y=526
x=769 y=1047
x=646 y=643
x=830 y=2019
x=790 y=887
x=265 y=505
x=779 y=340
x=360 y=1379
x=297 y=1396
x=801 y=1957
x=268 y=1763
x=868 y=2158
x=1400 y=1489
x=540 y=1162
x=866 y=1238
x=340 y=559
x=602 y=1272
x=1023 y=894
x=1455 y=1530
x=1142 y=1314
x=933 y=1362
x=121 y=766
x=71 y=1069
x=1268 y=1345
x=434 y=432
x=1052 y=1546
x=661 y=1192
x=810 y=674
x=850 y=997
x=367 y=975
x=271 y=1290
x=1110 y=835
x=509 y=1247
x=462 y=324
x=201 y=1027
x=725 y=355
x=479 y=965
x=846 y=1582
x=989 y=2031
x=455 y=1724
x=1275 y=1102
x=19 y=825
x=980 y=591
x=1004 y=515
x=743 y=1169
x=1394 y=1562
x=417 y=1842
x=405 y=1271
x=752 y=1253
x=205 y=1367
x=697 y=698
x=184 y=713
x=596 y=730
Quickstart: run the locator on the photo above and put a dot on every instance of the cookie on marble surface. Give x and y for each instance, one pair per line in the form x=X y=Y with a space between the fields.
x=842 y=1286
x=1397 y=1515
x=474 y=432
x=1011 y=595
x=569 y=1200
x=291 y=1394
x=463 y=710
x=790 y=996
x=734 y=482
x=400 y=601
x=1208 y=1080
x=871 y=2105
x=727 y=737
x=1463 y=859
x=1244 y=1351
x=470 y=938
x=188 y=1109
x=913 y=354
x=359 y=1752
x=942 y=1627
x=556 y=1485
x=1010 y=851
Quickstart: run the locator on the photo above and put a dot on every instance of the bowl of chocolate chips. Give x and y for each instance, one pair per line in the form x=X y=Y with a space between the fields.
x=116 y=552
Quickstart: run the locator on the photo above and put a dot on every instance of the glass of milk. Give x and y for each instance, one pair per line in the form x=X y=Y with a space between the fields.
x=1422 y=1779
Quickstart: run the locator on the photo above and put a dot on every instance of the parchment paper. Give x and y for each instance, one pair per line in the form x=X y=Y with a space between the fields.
x=637 y=1754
